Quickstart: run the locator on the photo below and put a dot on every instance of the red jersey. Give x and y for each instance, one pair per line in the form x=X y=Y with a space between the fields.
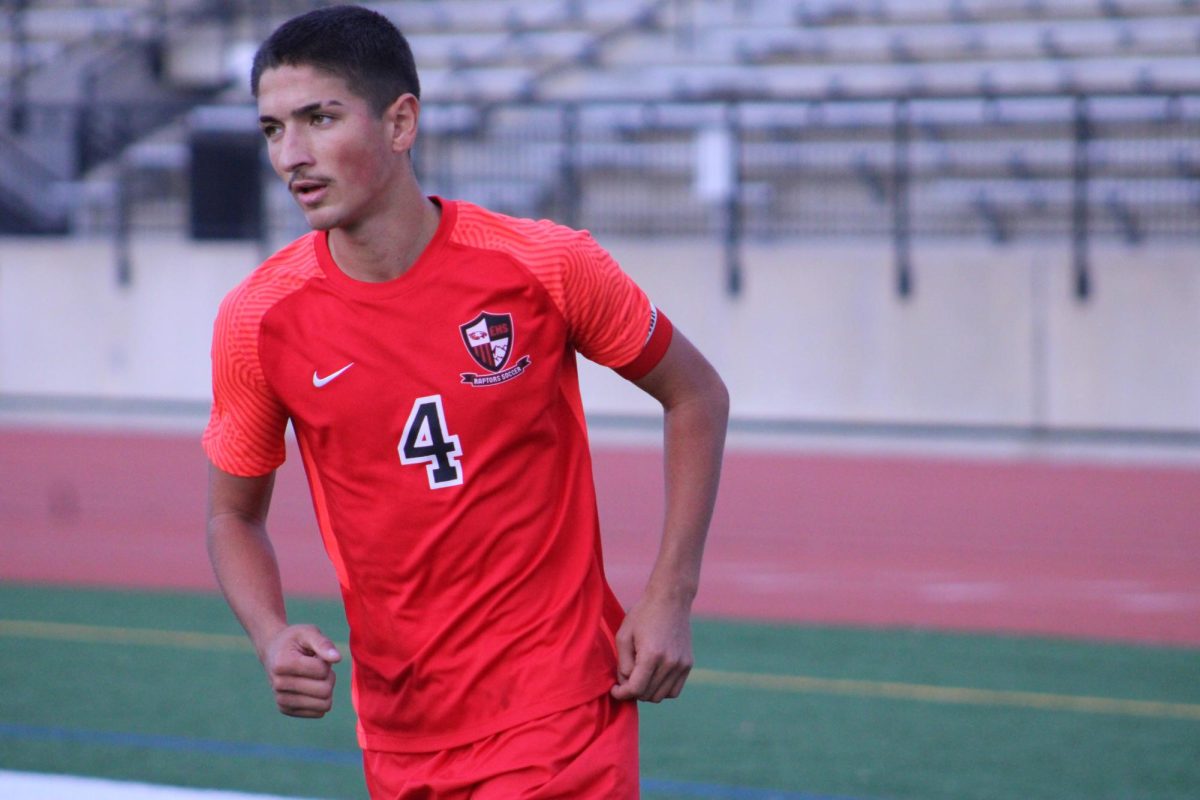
x=439 y=419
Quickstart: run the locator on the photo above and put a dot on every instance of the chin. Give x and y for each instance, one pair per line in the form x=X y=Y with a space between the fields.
x=320 y=221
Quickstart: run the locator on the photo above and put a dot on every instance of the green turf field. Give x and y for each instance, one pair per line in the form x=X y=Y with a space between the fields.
x=163 y=688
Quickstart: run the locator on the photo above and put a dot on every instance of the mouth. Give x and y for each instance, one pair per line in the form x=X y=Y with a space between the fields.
x=308 y=191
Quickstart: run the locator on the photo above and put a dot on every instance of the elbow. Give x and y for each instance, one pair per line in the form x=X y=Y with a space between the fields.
x=717 y=391
x=716 y=400
x=719 y=402
x=721 y=392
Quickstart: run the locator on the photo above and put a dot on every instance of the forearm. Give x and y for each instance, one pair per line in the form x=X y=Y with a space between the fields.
x=654 y=643
x=694 y=441
x=297 y=658
x=244 y=563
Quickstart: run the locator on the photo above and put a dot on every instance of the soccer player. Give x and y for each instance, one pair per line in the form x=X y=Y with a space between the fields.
x=424 y=351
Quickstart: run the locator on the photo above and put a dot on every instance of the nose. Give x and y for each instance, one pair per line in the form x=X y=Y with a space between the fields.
x=291 y=152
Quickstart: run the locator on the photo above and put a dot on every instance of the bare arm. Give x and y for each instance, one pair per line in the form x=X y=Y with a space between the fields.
x=654 y=644
x=297 y=658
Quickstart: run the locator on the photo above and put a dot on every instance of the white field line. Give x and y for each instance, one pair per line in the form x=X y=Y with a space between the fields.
x=35 y=786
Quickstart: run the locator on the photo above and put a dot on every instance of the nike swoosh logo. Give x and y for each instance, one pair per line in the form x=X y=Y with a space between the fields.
x=319 y=381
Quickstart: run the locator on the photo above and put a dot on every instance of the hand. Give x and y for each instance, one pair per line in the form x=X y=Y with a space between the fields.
x=299 y=663
x=654 y=651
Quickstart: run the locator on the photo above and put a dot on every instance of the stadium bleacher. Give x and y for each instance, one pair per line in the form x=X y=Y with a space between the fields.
x=586 y=110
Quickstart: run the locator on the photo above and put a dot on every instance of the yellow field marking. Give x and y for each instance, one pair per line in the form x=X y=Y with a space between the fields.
x=65 y=632
x=58 y=631
x=948 y=694
x=150 y=637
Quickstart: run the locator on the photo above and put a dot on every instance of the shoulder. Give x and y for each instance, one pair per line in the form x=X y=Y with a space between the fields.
x=562 y=260
x=522 y=238
x=283 y=273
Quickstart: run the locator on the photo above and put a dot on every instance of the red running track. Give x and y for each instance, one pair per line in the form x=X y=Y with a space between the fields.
x=1041 y=547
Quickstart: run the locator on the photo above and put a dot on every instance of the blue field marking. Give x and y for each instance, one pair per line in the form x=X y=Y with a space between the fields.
x=184 y=744
x=718 y=792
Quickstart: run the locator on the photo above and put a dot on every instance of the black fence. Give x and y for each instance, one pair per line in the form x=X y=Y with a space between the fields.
x=1001 y=168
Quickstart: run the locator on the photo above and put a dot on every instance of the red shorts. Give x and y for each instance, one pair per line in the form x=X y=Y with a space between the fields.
x=589 y=752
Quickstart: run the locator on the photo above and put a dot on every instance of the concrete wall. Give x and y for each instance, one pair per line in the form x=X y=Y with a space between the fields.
x=991 y=336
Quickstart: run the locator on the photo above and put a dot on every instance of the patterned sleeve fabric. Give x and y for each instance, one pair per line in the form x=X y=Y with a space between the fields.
x=612 y=321
x=245 y=433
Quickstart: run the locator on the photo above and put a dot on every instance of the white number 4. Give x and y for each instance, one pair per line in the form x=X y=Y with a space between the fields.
x=426 y=441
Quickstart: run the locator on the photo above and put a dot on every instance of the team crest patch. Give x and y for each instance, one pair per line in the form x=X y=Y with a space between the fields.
x=489 y=339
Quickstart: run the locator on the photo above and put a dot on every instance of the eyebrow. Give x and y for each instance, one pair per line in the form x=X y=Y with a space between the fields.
x=302 y=111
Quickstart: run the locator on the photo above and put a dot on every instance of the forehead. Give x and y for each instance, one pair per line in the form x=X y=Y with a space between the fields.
x=287 y=87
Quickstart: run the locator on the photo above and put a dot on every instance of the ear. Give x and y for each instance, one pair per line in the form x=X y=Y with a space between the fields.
x=402 y=116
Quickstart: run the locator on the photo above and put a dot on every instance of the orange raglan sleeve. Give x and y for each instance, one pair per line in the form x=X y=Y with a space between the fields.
x=610 y=318
x=245 y=433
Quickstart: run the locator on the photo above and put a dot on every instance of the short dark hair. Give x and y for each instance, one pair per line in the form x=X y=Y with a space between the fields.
x=358 y=45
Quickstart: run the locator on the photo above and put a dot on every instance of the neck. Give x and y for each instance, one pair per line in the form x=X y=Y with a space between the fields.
x=384 y=248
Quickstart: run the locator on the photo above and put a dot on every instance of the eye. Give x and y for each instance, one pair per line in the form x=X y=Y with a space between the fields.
x=321 y=119
x=270 y=130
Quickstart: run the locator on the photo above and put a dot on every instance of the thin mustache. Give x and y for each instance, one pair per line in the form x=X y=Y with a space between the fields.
x=297 y=178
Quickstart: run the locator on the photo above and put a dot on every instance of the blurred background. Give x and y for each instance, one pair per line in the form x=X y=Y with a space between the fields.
x=926 y=215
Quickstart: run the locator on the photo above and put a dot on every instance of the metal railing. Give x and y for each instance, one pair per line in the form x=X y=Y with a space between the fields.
x=1004 y=168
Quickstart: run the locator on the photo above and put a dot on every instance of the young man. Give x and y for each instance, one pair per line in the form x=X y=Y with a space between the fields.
x=424 y=351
